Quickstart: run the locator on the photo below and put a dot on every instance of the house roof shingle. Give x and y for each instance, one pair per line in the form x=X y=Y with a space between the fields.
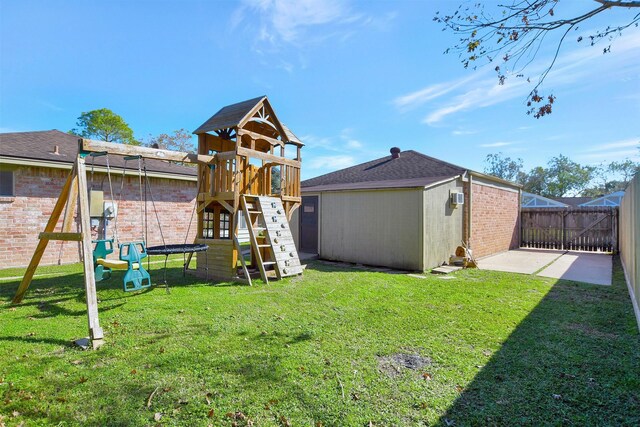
x=411 y=169
x=40 y=145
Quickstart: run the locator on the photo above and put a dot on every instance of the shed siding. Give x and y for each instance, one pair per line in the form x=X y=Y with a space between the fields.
x=442 y=223
x=495 y=218
x=373 y=227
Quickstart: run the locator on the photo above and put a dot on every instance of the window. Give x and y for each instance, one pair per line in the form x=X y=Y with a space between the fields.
x=216 y=223
x=224 y=224
x=6 y=184
x=208 y=224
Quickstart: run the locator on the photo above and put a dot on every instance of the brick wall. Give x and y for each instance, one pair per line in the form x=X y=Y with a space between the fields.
x=495 y=220
x=24 y=216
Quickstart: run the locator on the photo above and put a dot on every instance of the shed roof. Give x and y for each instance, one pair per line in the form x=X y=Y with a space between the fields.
x=40 y=145
x=380 y=185
x=411 y=169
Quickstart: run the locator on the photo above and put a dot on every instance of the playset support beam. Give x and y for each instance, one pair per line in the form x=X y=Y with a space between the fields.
x=89 y=145
x=42 y=243
x=74 y=189
x=95 y=331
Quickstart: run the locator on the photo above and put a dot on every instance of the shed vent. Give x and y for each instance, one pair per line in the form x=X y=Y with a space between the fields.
x=395 y=152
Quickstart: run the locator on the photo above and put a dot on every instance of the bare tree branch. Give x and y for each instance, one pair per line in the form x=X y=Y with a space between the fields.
x=514 y=39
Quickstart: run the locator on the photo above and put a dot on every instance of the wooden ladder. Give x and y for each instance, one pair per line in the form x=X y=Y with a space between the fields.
x=267 y=215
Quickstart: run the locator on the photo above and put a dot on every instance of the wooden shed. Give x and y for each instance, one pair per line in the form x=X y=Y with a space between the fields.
x=406 y=211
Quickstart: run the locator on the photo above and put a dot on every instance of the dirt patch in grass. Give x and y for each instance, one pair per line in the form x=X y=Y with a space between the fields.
x=393 y=365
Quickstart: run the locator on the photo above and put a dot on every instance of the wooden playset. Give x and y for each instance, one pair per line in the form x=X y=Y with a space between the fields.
x=245 y=174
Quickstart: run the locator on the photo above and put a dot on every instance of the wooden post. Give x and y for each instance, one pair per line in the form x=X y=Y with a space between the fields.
x=71 y=206
x=615 y=215
x=95 y=332
x=563 y=215
x=42 y=243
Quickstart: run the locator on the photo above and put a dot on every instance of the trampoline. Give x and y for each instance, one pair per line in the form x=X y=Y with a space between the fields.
x=166 y=250
x=176 y=249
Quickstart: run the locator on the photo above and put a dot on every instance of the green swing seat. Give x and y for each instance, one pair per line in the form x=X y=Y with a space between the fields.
x=131 y=255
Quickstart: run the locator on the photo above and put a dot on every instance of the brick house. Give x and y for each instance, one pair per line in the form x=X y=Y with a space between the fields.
x=408 y=211
x=33 y=168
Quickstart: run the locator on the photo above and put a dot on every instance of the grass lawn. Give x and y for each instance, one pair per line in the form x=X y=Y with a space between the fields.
x=338 y=347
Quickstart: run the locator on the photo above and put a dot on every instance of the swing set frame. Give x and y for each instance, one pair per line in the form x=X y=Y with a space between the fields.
x=75 y=193
x=230 y=146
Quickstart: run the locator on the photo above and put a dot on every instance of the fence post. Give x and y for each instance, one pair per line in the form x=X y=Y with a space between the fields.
x=615 y=215
x=563 y=215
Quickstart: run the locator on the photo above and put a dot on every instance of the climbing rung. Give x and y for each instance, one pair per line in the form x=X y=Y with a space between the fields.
x=273 y=225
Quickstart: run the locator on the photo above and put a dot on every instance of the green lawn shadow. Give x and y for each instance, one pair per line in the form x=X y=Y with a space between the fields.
x=591 y=380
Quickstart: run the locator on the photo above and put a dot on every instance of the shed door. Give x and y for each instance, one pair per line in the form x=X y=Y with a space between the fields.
x=309 y=224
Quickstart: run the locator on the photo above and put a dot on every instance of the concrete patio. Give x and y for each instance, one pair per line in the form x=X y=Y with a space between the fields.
x=586 y=267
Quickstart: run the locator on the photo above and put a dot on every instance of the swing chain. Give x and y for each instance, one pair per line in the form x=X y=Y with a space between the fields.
x=114 y=208
x=142 y=206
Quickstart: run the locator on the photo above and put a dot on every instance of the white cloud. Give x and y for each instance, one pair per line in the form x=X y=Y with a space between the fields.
x=609 y=156
x=286 y=20
x=497 y=144
x=313 y=141
x=415 y=99
x=330 y=163
x=613 y=151
x=625 y=143
x=339 y=143
x=275 y=23
x=581 y=65
x=354 y=144
x=484 y=93
x=460 y=132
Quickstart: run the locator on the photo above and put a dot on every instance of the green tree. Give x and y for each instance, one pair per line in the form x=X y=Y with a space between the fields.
x=535 y=181
x=566 y=177
x=504 y=167
x=612 y=177
x=627 y=169
x=104 y=125
x=275 y=180
x=510 y=35
x=180 y=140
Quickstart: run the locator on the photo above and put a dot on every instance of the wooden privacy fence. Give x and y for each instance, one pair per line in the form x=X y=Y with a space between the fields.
x=630 y=241
x=583 y=229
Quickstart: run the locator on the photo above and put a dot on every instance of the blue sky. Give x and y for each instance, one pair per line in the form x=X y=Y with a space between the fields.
x=351 y=79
